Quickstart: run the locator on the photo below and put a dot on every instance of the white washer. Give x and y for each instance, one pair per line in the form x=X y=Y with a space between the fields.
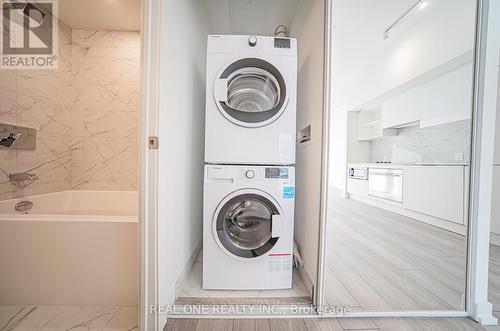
x=251 y=88
x=248 y=227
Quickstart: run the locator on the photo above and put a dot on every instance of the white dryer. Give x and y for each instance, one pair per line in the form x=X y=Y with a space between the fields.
x=251 y=88
x=248 y=221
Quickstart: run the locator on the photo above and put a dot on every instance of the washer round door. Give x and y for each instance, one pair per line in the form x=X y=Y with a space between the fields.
x=251 y=92
x=246 y=225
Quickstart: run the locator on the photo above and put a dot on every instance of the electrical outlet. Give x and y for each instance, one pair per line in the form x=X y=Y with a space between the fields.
x=459 y=156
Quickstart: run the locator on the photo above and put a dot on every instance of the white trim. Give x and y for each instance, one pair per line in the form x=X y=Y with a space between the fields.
x=485 y=90
x=421 y=314
x=148 y=163
x=318 y=295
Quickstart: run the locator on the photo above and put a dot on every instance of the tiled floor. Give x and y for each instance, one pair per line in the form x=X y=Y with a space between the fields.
x=77 y=318
x=191 y=287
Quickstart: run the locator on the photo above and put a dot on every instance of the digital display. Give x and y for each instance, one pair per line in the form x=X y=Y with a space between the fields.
x=280 y=173
x=281 y=43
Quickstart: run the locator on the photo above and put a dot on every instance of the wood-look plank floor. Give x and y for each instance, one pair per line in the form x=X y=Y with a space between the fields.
x=377 y=260
x=331 y=324
x=380 y=261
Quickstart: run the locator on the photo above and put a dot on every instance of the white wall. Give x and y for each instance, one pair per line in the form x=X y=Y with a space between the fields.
x=181 y=131
x=308 y=27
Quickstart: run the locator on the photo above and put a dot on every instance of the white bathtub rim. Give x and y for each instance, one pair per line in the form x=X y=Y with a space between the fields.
x=67 y=218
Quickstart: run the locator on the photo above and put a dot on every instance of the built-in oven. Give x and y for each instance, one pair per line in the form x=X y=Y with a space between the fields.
x=357 y=172
x=386 y=183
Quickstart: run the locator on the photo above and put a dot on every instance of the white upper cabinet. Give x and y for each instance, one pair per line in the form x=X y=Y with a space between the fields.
x=447 y=98
x=401 y=110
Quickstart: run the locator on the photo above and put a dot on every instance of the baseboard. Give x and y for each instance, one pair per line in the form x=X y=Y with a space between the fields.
x=308 y=283
x=187 y=268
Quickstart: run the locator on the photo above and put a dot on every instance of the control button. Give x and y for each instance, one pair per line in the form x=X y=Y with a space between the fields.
x=250 y=174
x=252 y=41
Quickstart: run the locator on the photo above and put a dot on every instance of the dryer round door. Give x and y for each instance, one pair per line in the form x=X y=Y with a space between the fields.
x=247 y=224
x=251 y=92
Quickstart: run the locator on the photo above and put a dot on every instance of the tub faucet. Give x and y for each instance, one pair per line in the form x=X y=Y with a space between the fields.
x=9 y=140
x=22 y=179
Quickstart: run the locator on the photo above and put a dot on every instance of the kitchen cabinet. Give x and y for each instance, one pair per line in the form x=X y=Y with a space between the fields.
x=495 y=206
x=370 y=125
x=435 y=191
x=447 y=98
x=401 y=110
x=357 y=187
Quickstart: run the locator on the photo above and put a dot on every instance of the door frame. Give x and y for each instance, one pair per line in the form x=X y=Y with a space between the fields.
x=482 y=138
x=477 y=269
x=150 y=57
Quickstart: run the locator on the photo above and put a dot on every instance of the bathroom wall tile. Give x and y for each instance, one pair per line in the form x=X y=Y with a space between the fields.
x=108 y=70
x=106 y=162
x=106 y=97
x=110 y=124
x=85 y=114
x=106 y=43
x=8 y=96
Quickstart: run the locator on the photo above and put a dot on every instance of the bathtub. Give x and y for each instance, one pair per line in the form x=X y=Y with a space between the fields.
x=71 y=248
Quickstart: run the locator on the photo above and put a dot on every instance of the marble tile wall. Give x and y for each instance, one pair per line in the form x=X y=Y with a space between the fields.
x=104 y=117
x=85 y=114
x=434 y=145
x=40 y=99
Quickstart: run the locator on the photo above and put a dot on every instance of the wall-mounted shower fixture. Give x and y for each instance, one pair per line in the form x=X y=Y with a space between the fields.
x=22 y=179
x=419 y=4
x=17 y=137
x=281 y=31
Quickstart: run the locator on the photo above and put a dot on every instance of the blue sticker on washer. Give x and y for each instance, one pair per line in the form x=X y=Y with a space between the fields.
x=289 y=192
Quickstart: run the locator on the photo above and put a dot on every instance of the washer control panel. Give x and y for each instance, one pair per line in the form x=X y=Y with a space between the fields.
x=278 y=173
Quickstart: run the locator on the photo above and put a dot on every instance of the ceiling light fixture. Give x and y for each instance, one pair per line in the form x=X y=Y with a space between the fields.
x=420 y=4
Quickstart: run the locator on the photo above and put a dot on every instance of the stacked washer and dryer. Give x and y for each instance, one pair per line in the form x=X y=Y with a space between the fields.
x=249 y=182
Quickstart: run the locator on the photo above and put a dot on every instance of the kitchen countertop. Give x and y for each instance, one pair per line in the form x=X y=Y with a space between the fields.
x=401 y=165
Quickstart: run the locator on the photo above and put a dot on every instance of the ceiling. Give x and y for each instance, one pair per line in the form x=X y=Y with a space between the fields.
x=101 y=14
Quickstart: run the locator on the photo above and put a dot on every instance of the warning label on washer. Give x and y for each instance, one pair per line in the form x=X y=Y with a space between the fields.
x=289 y=192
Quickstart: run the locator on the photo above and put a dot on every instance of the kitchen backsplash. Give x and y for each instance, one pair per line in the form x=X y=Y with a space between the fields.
x=443 y=144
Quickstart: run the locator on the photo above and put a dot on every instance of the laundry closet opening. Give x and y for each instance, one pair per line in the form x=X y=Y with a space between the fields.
x=238 y=185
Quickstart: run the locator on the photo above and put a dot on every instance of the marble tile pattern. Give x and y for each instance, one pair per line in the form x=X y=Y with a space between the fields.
x=40 y=99
x=85 y=114
x=53 y=318
x=416 y=145
x=104 y=117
